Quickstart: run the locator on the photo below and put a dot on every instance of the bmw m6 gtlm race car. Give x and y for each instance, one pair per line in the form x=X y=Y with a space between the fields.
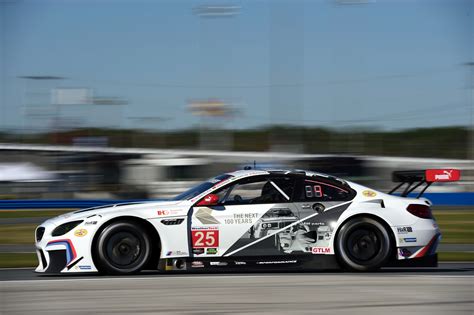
x=252 y=219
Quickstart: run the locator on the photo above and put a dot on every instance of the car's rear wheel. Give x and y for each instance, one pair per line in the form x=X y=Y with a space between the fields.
x=363 y=244
x=122 y=248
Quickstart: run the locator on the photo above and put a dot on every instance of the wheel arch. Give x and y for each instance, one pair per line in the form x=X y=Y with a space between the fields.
x=151 y=230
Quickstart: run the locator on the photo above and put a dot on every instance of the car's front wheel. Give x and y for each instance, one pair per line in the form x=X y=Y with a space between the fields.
x=122 y=248
x=363 y=244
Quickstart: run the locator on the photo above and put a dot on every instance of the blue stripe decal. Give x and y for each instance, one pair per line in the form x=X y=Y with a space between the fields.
x=69 y=255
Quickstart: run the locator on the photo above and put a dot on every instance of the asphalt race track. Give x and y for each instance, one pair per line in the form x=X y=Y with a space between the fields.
x=448 y=289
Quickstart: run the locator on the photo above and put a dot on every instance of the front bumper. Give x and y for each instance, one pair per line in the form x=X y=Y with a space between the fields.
x=63 y=254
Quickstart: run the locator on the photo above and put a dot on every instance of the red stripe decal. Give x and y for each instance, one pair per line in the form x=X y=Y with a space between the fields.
x=426 y=248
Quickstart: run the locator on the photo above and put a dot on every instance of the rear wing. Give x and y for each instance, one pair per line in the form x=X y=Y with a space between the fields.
x=415 y=179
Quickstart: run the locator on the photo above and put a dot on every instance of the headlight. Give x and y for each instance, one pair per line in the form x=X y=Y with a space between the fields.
x=66 y=227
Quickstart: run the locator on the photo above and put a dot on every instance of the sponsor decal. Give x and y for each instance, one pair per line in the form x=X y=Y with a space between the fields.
x=314 y=223
x=176 y=253
x=205 y=238
x=240 y=263
x=197 y=264
x=204 y=215
x=449 y=175
x=277 y=262
x=404 y=229
x=85 y=267
x=320 y=250
x=410 y=239
x=196 y=228
x=162 y=212
x=198 y=251
x=80 y=232
x=218 y=263
x=211 y=251
x=369 y=193
x=90 y=223
x=242 y=218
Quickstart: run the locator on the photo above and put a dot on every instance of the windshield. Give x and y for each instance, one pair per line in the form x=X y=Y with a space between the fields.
x=199 y=189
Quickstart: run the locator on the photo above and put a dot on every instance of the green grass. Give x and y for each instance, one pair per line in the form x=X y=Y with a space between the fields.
x=17 y=234
x=456 y=256
x=16 y=260
x=457 y=226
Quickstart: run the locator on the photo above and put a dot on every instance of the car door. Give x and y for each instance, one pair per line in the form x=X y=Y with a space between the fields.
x=243 y=221
x=320 y=202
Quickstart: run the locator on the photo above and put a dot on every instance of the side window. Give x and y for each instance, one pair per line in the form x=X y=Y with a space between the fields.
x=286 y=184
x=314 y=190
x=223 y=193
x=256 y=191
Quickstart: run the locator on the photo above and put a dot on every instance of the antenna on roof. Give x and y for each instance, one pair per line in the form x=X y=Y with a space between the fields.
x=248 y=167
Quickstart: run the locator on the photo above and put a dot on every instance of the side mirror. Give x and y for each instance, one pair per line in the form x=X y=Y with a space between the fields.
x=209 y=200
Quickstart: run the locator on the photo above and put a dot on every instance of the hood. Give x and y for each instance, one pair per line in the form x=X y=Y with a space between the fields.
x=84 y=213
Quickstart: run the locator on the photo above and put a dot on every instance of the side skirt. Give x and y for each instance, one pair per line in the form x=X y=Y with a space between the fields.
x=251 y=263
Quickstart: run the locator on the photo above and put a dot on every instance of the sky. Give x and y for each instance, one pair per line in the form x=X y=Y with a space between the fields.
x=324 y=63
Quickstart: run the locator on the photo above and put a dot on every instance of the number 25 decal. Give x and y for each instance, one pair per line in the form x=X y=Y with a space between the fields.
x=205 y=238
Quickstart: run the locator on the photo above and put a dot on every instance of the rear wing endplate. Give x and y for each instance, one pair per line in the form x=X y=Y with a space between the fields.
x=417 y=178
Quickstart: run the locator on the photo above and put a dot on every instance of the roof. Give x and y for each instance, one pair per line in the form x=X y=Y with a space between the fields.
x=253 y=172
x=245 y=173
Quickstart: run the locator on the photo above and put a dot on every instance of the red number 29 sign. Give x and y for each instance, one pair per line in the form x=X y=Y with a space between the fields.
x=205 y=238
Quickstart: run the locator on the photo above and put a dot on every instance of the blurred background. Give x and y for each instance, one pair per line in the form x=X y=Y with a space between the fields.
x=123 y=100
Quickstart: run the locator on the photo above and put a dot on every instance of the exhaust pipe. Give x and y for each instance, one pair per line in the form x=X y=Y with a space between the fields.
x=179 y=264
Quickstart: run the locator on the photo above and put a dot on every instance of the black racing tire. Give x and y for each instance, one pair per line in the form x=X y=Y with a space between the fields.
x=363 y=244
x=122 y=248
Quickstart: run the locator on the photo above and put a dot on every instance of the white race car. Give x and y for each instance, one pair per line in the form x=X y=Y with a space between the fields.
x=251 y=219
